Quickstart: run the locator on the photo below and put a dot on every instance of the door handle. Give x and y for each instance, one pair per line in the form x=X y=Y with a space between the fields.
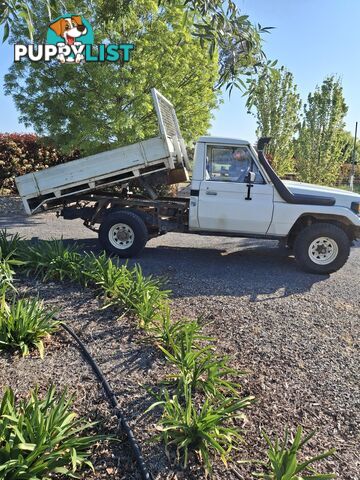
x=211 y=192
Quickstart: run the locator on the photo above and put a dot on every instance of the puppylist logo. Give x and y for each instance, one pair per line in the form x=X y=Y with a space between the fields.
x=70 y=39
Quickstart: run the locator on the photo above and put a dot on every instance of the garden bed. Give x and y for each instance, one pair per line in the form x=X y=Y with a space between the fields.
x=301 y=372
x=278 y=380
x=117 y=348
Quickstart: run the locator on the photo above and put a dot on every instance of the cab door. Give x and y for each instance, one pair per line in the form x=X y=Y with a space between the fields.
x=224 y=203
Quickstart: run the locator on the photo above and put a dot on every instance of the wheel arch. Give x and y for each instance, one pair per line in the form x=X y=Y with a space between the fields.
x=307 y=219
x=146 y=217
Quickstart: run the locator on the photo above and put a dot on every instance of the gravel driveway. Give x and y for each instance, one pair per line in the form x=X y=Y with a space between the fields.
x=297 y=334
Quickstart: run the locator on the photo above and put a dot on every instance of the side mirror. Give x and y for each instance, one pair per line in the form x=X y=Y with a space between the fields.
x=251 y=177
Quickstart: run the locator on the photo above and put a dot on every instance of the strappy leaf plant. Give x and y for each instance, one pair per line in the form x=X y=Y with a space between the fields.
x=24 y=324
x=108 y=279
x=125 y=288
x=42 y=437
x=205 y=430
x=169 y=334
x=6 y=275
x=52 y=260
x=7 y=272
x=10 y=245
x=147 y=298
x=197 y=364
x=284 y=462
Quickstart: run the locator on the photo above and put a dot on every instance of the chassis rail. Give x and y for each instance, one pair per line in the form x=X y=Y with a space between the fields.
x=161 y=215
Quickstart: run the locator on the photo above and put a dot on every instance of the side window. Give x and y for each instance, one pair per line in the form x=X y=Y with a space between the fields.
x=230 y=164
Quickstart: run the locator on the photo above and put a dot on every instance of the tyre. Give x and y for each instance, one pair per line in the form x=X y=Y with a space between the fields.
x=123 y=233
x=322 y=248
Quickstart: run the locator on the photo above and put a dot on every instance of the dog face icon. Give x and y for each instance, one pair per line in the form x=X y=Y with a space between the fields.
x=73 y=35
x=70 y=29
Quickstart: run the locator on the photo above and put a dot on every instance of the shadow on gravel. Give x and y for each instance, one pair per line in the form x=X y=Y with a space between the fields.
x=86 y=245
x=259 y=270
x=17 y=221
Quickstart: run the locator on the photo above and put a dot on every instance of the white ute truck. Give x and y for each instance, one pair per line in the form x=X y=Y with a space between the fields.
x=234 y=192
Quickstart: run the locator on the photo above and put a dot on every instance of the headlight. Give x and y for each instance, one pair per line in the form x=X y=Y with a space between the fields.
x=355 y=207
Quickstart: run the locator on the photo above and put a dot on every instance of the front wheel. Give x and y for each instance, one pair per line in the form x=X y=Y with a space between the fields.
x=322 y=248
x=123 y=233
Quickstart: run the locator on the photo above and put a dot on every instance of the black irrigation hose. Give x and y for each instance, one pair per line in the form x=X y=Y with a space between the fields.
x=145 y=474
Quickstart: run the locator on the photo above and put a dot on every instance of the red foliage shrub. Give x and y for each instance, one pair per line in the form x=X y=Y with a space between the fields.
x=346 y=171
x=22 y=153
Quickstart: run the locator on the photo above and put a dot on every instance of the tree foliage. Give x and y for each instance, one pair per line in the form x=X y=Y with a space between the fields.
x=217 y=23
x=319 y=147
x=92 y=106
x=276 y=104
x=348 y=140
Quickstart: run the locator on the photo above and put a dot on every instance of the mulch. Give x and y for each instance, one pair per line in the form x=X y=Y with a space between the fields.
x=131 y=363
x=301 y=355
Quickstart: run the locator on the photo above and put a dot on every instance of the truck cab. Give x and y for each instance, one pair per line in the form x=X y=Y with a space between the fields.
x=220 y=197
x=235 y=191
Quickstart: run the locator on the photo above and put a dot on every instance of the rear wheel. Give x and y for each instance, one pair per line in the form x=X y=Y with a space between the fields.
x=322 y=248
x=123 y=233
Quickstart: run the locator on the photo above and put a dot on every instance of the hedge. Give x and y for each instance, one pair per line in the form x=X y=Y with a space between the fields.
x=24 y=153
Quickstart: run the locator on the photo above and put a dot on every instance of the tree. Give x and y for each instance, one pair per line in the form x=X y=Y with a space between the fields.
x=276 y=103
x=319 y=147
x=217 y=23
x=92 y=106
x=347 y=142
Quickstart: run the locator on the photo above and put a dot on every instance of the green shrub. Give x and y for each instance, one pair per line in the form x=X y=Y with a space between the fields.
x=205 y=430
x=109 y=280
x=23 y=325
x=6 y=275
x=128 y=289
x=168 y=333
x=10 y=245
x=284 y=463
x=39 y=438
x=147 y=298
x=52 y=260
x=345 y=172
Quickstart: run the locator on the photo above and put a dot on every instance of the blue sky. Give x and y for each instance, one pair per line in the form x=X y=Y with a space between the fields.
x=313 y=39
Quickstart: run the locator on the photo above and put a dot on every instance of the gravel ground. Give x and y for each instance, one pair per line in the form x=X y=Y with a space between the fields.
x=11 y=206
x=123 y=356
x=296 y=334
